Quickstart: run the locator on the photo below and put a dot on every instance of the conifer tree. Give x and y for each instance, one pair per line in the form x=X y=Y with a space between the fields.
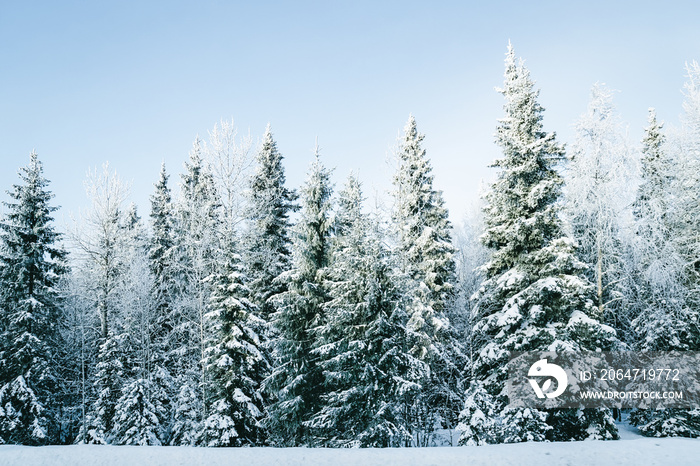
x=667 y=320
x=660 y=324
x=186 y=415
x=111 y=374
x=534 y=296
x=137 y=415
x=425 y=244
x=161 y=260
x=362 y=345
x=426 y=258
x=267 y=248
x=31 y=266
x=296 y=378
x=686 y=217
x=235 y=364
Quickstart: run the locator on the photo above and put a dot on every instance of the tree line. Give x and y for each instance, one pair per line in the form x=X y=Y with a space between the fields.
x=246 y=313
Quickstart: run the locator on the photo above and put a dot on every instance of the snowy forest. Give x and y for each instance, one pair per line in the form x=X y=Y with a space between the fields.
x=244 y=312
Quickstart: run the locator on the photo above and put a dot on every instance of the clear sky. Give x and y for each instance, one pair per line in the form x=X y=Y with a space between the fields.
x=133 y=82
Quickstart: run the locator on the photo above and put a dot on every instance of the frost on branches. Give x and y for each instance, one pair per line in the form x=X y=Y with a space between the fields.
x=599 y=188
x=234 y=363
x=426 y=261
x=362 y=344
x=31 y=266
x=534 y=288
x=666 y=211
x=296 y=378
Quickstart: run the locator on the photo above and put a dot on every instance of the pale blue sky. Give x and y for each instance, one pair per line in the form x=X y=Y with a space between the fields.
x=132 y=83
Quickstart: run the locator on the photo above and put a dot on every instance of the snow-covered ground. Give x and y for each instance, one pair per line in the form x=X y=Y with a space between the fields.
x=631 y=450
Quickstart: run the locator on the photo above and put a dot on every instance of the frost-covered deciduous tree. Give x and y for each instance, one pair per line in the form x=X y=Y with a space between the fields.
x=599 y=190
x=666 y=212
x=229 y=159
x=101 y=243
x=31 y=266
x=197 y=242
x=470 y=255
x=296 y=378
x=535 y=295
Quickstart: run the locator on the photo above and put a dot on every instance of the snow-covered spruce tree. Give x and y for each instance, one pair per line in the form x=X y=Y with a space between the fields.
x=362 y=345
x=163 y=295
x=296 y=378
x=31 y=265
x=162 y=263
x=267 y=248
x=661 y=324
x=137 y=415
x=599 y=189
x=535 y=295
x=197 y=219
x=668 y=270
x=477 y=420
x=234 y=363
x=186 y=414
x=107 y=384
x=426 y=257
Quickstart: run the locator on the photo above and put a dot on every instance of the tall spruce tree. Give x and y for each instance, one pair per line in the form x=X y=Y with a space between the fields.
x=297 y=379
x=660 y=324
x=234 y=362
x=535 y=296
x=362 y=345
x=425 y=244
x=686 y=218
x=667 y=317
x=31 y=266
x=162 y=262
x=426 y=258
x=267 y=248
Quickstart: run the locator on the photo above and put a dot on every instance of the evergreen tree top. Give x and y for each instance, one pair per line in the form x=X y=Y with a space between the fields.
x=162 y=196
x=652 y=144
x=31 y=196
x=269 y=160
x=521 y=213
x=349 y=204
x=316 y=221
x=197 y=181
